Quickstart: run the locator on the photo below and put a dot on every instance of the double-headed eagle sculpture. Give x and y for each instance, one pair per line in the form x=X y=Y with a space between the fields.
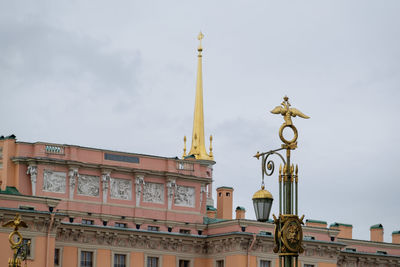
x=287 y=112
x=16 y=223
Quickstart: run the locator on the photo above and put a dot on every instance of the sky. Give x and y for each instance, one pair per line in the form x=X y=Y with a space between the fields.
x=121 y=75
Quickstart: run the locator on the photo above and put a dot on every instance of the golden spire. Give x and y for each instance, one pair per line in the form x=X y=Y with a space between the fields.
x=198 y=148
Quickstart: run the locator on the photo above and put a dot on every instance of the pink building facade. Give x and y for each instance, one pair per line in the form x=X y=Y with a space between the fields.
x=93 y=207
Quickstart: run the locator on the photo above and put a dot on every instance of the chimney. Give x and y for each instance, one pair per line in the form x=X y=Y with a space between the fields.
x=224 y=202
x=211 y=212
x=346 y=230
x=316 y=223
x=396 y=237
x=376 y=231
x=240 y=213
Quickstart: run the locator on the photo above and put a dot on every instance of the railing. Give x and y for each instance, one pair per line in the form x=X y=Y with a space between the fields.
x=54 y=149
x=184 y=166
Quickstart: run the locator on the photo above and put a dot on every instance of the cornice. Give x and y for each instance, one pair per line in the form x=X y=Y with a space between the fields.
x=43 y=160
x=37 y=221
x=51 y=202
x=358 y=242
x=136 y=220
x=368 y=259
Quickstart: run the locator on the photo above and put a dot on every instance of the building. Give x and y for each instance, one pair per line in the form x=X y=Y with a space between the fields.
x=94 y=207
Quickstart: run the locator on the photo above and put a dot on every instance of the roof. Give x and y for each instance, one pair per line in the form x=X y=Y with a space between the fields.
x=377 y=226
x=316 y=221
x=225 y=187
x=10 y=190
x=336 y=224
x=209 y=207
x=240 y=208
x=207 y=220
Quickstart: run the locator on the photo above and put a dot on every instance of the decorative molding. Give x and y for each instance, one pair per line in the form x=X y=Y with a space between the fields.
x=105 y=179
x=203 y=193
x=32 y=171
x=185 y=196
x=153 y=193
x=54 y=181
x=139 y=182
x=122 y=169
x=88 y=185
x=171 y=188
x=121 y=188
x=73 y=175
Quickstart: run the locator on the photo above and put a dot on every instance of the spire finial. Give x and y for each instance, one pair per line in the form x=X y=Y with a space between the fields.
x=184 y=147
x=211 y=153
x=200 y=37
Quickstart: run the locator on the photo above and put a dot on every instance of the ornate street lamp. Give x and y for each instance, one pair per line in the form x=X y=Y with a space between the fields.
x=16 y=241
x=262 y=201
x=288 y=231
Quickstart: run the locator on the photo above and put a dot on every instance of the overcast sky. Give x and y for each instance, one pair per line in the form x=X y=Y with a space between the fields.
x=121 y=75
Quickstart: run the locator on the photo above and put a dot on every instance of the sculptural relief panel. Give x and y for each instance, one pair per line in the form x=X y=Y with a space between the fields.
x=54 y=181
x=88 y=185
x=120 y=189
x=185 y=196
x=153 y=193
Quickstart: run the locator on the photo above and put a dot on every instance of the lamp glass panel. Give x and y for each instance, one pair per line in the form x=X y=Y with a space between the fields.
x=262 y=208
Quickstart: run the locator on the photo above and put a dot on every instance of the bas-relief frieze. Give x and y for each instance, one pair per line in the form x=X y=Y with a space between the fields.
x=153 y=193
x=54 y=181
x=121 y=189
x=185 y=196
x=88 y=185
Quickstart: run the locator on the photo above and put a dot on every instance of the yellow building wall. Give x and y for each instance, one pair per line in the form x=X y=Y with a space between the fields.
x=236 y=260
x=70 y=256
x=169 y=261
x=325 y=264
x=103 y=258
x=39 y=253
x=202 y=262
x=253 y=261
x=5 y=249
x=137 y=259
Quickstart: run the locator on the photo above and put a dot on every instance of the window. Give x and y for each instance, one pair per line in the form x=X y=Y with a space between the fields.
x=88 y=222
x=309 y=265
x=265 y=263
x=152 y=262
x=86 y=259
x=153 y=228
x=308 y=237
x=228 y=194
x=184 y=231
x=57 y=257
x=266 y=233
x=26 y=208
x=27 y=242
x=184 y=263
x=119 y=260
x=220 y=263
x=121 y=225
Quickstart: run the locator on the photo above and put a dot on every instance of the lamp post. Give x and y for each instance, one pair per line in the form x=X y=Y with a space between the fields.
x=288 y=235
x=19 y=248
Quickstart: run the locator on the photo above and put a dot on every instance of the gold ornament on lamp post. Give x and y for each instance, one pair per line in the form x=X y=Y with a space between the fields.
x=16 y=242
x=288 y=230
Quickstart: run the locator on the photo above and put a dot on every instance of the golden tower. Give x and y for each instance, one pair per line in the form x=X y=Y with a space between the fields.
x=198 y=148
